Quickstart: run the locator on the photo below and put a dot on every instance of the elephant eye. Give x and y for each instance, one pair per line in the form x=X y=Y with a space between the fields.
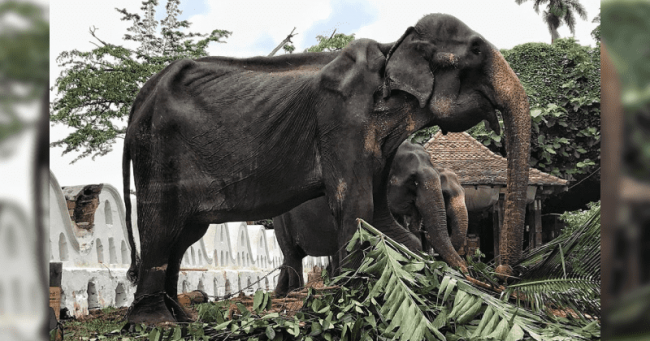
x=475 y=45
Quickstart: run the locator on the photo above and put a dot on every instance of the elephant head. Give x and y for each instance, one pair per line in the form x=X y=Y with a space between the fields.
x=459 y=79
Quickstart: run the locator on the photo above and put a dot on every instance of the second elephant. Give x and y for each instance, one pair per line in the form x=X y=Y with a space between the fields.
x=419 y=195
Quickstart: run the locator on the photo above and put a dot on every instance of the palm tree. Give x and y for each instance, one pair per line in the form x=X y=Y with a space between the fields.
x=558 y=12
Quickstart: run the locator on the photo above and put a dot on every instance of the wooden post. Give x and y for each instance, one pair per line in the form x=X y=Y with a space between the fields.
x=530 y=221
x=497 y=224
x=538 y=222
x=56 y=272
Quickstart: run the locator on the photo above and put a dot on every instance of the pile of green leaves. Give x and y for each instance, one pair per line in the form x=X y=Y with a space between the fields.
x=394 y=294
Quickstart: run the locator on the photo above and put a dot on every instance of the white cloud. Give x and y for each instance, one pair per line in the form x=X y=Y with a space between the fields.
x=263 y=22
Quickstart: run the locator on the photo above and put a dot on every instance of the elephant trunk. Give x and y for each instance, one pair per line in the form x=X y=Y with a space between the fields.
x=512 y=101
x=458 y=222
x=432 y=210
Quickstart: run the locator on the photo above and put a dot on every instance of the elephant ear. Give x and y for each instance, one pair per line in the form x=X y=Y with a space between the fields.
x=356 y=70
x=407 y=68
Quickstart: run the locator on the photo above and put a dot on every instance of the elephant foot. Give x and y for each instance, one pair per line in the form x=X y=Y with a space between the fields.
x=156 y=308
x=283 y=288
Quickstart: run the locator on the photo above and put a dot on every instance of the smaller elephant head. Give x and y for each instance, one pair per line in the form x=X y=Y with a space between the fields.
x=431 y=199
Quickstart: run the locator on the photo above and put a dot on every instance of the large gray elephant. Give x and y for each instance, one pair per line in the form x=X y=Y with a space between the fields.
x=222 y=139
x=419 y=196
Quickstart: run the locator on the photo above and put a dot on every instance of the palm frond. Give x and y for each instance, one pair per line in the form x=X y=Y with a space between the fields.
x=564 y=273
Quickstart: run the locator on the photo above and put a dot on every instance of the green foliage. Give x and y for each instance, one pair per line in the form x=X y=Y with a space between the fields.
x=97 y=88
x=24 y=62
x=562 y=81
x=394 y=295
x=576 y=219
x=334 y=43
x=289 y=48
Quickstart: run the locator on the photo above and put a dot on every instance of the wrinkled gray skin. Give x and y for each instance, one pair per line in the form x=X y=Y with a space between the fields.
x=222 y=139
x=420 y=197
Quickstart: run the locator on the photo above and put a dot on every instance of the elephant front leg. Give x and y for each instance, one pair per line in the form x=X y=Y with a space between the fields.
x=290 y=276
x=349 y=202
x=150 y=300
x=188 y=236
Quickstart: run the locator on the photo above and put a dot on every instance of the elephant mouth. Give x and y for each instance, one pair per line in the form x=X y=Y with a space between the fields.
x=464 y=112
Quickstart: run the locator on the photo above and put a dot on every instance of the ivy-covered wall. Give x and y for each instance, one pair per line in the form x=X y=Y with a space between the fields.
x=562 y=81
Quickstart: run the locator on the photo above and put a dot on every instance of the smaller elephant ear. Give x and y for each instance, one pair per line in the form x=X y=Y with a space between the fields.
x=408 y=70
x=355 y=70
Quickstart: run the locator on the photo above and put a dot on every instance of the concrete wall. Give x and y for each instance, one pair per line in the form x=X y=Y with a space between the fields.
x=228 y=258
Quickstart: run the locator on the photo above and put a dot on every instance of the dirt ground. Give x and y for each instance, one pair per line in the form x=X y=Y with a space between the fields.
x=105 y=323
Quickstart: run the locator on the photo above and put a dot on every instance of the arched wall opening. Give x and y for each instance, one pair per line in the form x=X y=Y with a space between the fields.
x=108 y=213
x=125 y=254
x=120 y=296
x=112 y=254
x=93 y=301
x=100 y=250
x=63 y=247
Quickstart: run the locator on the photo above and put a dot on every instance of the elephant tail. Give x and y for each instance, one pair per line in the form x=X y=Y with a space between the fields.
x=132 y=274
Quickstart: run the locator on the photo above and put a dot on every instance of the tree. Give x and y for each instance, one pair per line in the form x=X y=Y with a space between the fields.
x=595 y=33
x=335 y=42
x=558 y=12
x=98 y=87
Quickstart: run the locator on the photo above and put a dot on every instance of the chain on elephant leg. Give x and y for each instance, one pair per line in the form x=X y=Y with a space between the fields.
x=149 y=304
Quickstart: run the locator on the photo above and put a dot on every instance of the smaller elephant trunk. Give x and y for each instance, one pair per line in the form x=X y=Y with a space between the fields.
x=432 y=210
x=458 y=222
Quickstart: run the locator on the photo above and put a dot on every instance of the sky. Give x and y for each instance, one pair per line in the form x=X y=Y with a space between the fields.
x=259 y=26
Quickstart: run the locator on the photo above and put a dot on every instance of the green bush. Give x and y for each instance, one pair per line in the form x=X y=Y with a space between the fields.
x=575 y=219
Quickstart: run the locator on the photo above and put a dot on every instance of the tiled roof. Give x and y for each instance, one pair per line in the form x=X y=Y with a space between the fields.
x=475 y=164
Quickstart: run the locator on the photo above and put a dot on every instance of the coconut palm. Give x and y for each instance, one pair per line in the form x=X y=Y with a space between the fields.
x=558 y=12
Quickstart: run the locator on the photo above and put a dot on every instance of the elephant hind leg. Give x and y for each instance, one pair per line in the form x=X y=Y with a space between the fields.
x=190 y=234
x=290 y=274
